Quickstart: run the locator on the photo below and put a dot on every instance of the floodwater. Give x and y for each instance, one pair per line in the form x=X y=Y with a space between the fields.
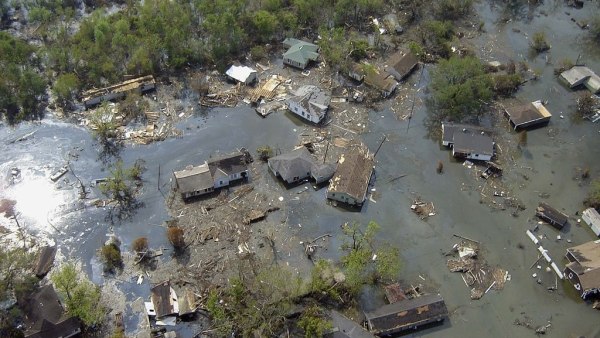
x=546 y=165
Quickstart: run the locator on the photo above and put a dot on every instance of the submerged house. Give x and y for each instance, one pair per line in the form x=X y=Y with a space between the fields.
x=552 y=216
x=310 y=103
x=528 y=115
x=592 y=218
x=45 y=318
x=297 y=165
x=408 y=314
x=401 y=65
x=299 y=53
x=242 y=74
x=469 y=142
x=218 y=172
x=229 y=168
x=583 y=269
x=194 y=181
x=352 y=177
x=579 y=75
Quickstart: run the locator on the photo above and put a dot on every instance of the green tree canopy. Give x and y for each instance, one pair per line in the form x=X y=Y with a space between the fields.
x=81 y=297
x=459 y=88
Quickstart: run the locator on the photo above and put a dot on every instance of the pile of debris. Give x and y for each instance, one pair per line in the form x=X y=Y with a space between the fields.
x=475 y=272
x=423 y=209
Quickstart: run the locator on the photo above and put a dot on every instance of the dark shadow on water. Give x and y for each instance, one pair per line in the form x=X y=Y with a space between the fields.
x=109 y=152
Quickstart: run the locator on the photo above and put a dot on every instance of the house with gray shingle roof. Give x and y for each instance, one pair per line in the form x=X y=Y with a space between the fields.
x=297 y=165
x=299 y=53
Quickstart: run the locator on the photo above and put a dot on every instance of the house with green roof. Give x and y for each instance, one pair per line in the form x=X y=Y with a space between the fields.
x=299 y=53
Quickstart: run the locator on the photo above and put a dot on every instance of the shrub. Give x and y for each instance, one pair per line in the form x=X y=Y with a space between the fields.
x=111 y=256
x=140 y=245
x=585 y=104
x=506 y=84
x=595 y=28
x=452 y=9
x=314 y=323
x=175 y=236
x=539 y=43
x=258 y=52
x=593 y=198
x=264 y=152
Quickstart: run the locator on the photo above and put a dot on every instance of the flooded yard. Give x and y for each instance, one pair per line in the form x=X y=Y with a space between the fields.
x=545 y=170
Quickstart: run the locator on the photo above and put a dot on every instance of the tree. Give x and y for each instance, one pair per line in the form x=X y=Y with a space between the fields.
x=265 y=24
x=121 y=186
x=104 y=125
x=82 y=297
x=362 y=263
x=176 y=238
x=452 y=9
x=586 y=104
x=65 y=88
x=264 y=152
x=459 y=88
x=15 y=272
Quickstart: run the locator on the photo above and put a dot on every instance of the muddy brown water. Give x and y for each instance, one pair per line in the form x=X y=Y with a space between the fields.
x=549 y=162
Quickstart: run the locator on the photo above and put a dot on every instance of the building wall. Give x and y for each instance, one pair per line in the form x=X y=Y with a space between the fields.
x=297 y=109
x=574 y=279
x=294 y=63
x=478 y=157
x=342 y=197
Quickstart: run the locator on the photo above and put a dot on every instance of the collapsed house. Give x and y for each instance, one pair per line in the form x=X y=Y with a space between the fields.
x=310 y=103
x=352 y=177
x=343 y=327
x=583 y=269
x=406 y=315
x=551 y=216
x=165 y=306
x=242 y=74
x=45 y=318
x=580 y=75
x=372 y=77
x=401 y=65
x=383 y=83
x=592 y=218
x=216 y=173
x=299 y=53
x=528 y=115
x=138 y=85
x=468 y=142
x=297 y=165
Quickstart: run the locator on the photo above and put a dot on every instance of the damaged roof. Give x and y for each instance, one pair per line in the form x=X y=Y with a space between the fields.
x=313 y=99
x=194 y=178
x=353 y=174
x=343 y=327
x=586 y=264
x=402 y=64
x=161 y=299
x=578 y=75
